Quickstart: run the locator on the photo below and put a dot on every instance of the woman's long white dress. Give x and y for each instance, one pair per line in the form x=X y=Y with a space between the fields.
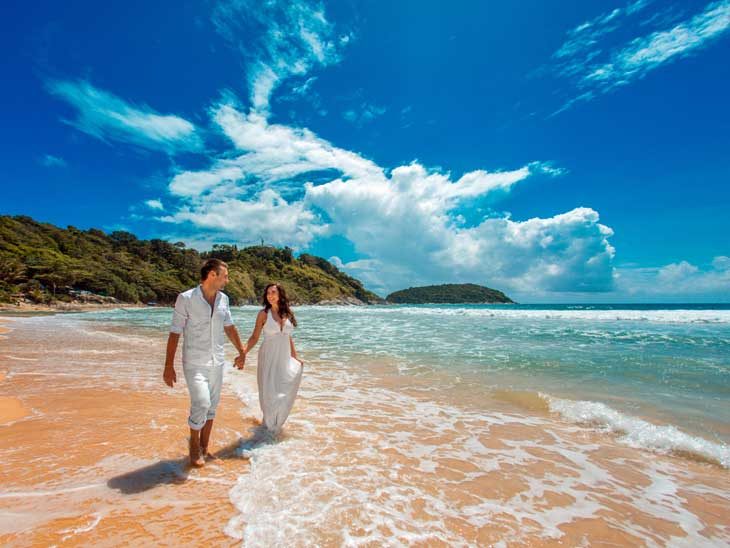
x=278 y=373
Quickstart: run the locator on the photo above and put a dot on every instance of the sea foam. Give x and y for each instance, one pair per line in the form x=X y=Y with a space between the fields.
x=639 y=433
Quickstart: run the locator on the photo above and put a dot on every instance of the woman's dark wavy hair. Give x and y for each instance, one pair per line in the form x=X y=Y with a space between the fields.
x=284 y=308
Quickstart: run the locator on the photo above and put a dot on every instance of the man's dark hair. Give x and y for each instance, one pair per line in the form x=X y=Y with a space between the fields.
x=211 y=264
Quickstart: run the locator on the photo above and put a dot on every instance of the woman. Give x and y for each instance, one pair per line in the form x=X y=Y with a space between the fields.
x=279 y=371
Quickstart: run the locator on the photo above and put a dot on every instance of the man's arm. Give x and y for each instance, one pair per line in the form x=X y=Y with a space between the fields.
x=232 y=334
x=169 y=375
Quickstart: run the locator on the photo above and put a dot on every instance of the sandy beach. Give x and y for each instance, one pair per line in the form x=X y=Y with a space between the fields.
x=25 y=308
x=94 y=446
x=106 y=466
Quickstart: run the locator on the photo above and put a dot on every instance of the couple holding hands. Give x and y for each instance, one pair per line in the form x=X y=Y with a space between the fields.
x=202 y=316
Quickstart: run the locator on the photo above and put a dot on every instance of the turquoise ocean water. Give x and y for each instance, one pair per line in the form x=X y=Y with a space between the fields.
x=615 y=366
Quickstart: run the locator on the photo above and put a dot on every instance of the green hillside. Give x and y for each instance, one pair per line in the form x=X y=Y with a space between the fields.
x=42 y=263
x=448 y=294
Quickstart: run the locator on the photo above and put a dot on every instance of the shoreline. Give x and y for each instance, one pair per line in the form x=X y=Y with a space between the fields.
x=11 y=309
x=28 y=308
x=370 y=453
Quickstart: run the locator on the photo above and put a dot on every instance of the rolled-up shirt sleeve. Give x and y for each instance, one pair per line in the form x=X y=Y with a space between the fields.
x=228 y=320
x=179 y=315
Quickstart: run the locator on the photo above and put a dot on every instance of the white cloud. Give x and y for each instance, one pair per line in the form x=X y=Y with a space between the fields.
x=106 y=116
x=279 y=38
x=305 y=87
x=276 y=152
x=586 y=35
x=155 y=204
x=547 y=168
x=597 y=67
x=49 y=160
x=195 y=183
x=677 y=282
x=407 y=224
x=647 y=53
x=269 y=217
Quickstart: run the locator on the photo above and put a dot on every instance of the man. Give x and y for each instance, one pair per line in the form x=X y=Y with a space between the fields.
x=202 y=315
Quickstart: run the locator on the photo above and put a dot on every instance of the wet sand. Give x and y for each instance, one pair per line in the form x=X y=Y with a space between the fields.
x=107 y=466
x=11 y=409
x=99 y=459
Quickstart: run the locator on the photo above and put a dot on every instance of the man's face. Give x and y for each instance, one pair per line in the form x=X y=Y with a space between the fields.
x=220 y=279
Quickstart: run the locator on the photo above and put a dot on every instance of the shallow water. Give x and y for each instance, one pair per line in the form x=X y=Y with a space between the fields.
x=669 y=364
x=453 y=425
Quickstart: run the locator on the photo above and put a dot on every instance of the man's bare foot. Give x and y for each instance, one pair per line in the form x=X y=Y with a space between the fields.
x=207 y=455
x=196 y=458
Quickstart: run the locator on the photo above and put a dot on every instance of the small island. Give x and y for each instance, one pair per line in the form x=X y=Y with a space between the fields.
x=449 y=294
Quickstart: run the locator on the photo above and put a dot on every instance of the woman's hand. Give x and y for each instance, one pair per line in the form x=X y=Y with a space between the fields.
x=240 y=360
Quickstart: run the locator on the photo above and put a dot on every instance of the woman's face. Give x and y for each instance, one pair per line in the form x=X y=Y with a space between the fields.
x=272 y=295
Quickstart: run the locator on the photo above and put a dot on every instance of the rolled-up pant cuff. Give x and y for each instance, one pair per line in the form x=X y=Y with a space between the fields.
x=194 y=425
x=204 y=385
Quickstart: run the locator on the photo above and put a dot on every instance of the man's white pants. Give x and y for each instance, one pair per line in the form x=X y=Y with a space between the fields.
x=204 y=385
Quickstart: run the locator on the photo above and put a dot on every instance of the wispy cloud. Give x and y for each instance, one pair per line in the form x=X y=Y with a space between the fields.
x=366 y=112
x=49 y=160
x=586 y=36
x=305 y=88
x=647 y=53
x=279 y=39
x=547 y=168
x=595 y=66
x=108 y=117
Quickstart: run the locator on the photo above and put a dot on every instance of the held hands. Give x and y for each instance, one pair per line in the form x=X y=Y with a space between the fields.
x=169 y=375
x=240 y=360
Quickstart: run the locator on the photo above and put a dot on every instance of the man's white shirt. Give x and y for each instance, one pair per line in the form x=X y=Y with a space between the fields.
x=201 y=327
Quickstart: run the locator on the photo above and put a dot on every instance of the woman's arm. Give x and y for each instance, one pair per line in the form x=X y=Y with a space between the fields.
x=254 y=338
x=232 y=334
x=293 y=350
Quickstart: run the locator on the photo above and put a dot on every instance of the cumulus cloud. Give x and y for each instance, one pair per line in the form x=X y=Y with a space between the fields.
x=677 y=282
x=155 y=204
x=408 y=226
x=108 y=117
x=195 y=183
x=268 y=217
x=405 y=222
x=290 y=187
x=596 y=67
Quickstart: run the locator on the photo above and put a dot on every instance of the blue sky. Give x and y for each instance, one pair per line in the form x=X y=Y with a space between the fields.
x=561 y=152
